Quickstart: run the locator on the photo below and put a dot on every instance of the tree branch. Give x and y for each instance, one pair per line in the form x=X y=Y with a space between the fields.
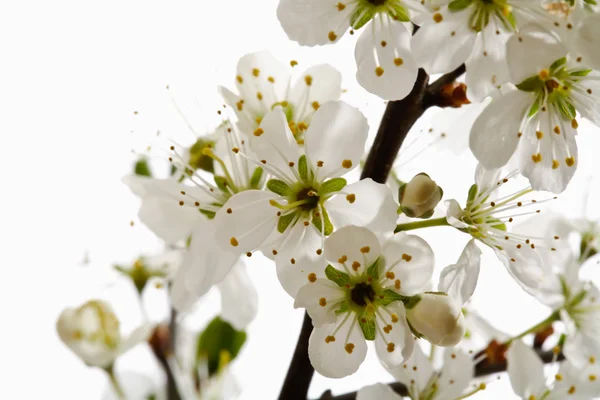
x=397 y=120
x=481 y=369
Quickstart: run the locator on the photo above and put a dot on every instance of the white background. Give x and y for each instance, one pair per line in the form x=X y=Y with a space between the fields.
x=72 y=73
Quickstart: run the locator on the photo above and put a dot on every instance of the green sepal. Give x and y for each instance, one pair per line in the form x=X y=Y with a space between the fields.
x=535 y=107
x=373 y=270
x=361 y=16
x=327 y=222
x=566 y=291
x=256 y=178
x=458 y=5
x=218 y=336
x=389 y=296
x=580 y=72
x=208 y=214
x=198 y=160
x=142 y=168
x=285 y=221
x=592 y=2
x=398 y=12
x=577 y=299
x=556 y=65
x=279 y=187
x=367 y=327
x=532 y=84
x=412 y=302
x=303 y=168
x=343 y=308
x=473 y=191
x=401 y=191
x=221 y=183
x=427 y=215
x=151 y=397
x=332 y=185
x=567 y=109
x=336 y=276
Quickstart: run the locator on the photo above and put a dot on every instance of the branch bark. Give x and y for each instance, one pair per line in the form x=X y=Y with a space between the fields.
x=301 y=371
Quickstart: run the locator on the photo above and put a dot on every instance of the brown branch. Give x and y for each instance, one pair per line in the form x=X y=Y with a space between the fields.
x=481 y=369
x=161 y=343
x=398 y=118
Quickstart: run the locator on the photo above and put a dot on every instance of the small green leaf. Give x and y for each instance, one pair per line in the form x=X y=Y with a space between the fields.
x=218 y=336
x=256 y=178
x=336 y=276
x=398 y=12
x=532 y=84
x=209 y=214
x=151 y=397
x=580 y=72
x=303 y=168
x=332 y=185
x=367 y=327
x=388 y=296
x=577 y=299
x=458 y=5
x=221 y=183
x=534 y=109
x=344 y=308
x=327 y=222
x=373 y=270
x=558 y=64
x=592 y=2
x=361 y=16
x=285 y=221
x=142 y=168
x=279 y=187
x=473 y=192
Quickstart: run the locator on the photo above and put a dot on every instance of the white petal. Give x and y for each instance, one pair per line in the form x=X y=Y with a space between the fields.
x=454 y=214
x=531 y=51
x=239 y=299
x=459 y=280
x=386 y=66
x=309 y=22
x=526 y=370
x=137 y=336
x=336 y=136
x=333 y=360
x=293 y=276
x=311 y=296
x=355 y=243
x=586 y=40
x=377 y=391
x=274 y=143
x=325 y=85
x=587 y=99
x=417 y=369
x=251 y=220
x=527 y=267
x=370 y=205
x=413 y=262
x=456 y=374
x=204 y=265
x=397 y=346
x=486 y=67
x=451 y=38
x=494 y=135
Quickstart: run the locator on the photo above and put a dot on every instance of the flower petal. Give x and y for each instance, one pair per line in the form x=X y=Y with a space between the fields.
x=335 y=139
x=320 y=298
x=386 y=66
x=411 y=261
x=397 y=344
x=495 y=133
x=586 y=40
x=526 y=370
x=355 y=244
x=459 y=280
x=377 y=391
x=137 y=336
x=293 y=276
x=239 y=299
x=340 y=357
x=367 y=203
x=456 y=374
x=417 y=370
x=312 y=22
x=325 y=85
x=246 y=220
x=454 y=214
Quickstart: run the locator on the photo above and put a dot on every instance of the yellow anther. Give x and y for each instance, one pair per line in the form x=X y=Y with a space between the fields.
x=351 y=198
x=437 y=17
x=379 y=71
x=234 y=242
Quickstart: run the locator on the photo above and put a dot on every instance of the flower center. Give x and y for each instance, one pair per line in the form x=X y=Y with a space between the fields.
x=310 y=197
x=485 y=10
x=377 y=2
x=361 y=293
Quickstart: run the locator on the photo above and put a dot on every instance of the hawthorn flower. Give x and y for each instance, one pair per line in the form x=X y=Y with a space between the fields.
x=158 y=267
x=485 y=217
x=526 y=372
x=306 y=198
x=581 y=316
x=419 y=197
x=264 y=83
x=385 y=62
x=363 y=299
x=92 y=332
x=538 y=120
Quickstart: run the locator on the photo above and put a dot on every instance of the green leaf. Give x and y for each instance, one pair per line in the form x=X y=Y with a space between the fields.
x=141 y=168
x=256 y=178
x=368 y=328
x=303 y=168
x=279 y=187
x=285 y=221
x=398 y=12
x=361 y=16
x=561 y=62
x=388 y=296
x=318 y=224
x=532 y=84
x=336 y=276
x=219 y=336
x=332 y=185
x=373 y=270
x=221 y=183
x=458 y=5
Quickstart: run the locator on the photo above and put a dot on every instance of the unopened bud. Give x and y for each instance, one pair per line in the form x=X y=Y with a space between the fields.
x=438 y=318
x=419 y=197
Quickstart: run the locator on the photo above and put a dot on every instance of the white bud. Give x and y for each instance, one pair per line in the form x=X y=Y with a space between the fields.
x=438 y=318
x=419 y=197
x=91 y=331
